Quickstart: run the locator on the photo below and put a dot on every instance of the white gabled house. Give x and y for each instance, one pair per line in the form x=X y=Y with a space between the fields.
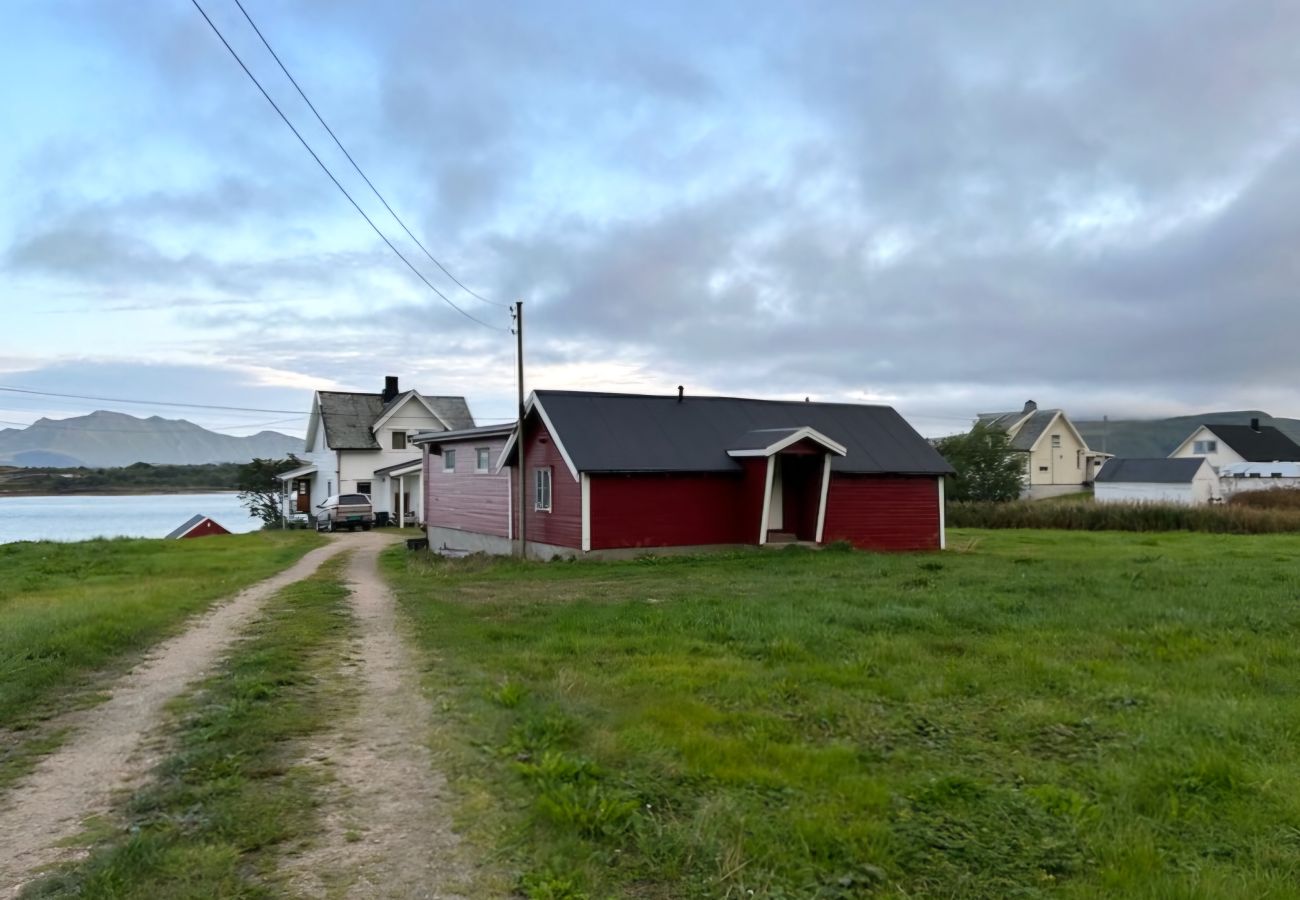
x=1056 y=457
x=359 y=443
x=1226 y=445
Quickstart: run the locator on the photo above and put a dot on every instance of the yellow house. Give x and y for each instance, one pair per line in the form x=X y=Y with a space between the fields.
x=1057 y=458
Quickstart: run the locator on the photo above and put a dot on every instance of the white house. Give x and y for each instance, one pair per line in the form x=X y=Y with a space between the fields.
x=1057 y=459
x=1226 y=445
x=1187 y=482
x=358 y=442
x=1252 y=476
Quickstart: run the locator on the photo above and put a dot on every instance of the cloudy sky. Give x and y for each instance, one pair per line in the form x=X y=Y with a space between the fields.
x=946 y=206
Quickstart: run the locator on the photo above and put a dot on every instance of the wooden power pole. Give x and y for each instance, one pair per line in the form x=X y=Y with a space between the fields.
x=519 y=429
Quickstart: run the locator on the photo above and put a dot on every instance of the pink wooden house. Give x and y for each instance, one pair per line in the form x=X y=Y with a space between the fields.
x=467 y=495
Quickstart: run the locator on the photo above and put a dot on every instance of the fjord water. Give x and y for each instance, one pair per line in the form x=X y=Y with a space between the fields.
x=139 y=515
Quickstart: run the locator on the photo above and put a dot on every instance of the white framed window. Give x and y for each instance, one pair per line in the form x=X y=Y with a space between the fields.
x=542 y=489
x=363 y=487
x=1205 y=446
x=482 y=459
x=449 y=460
x=1056 y=440
x=399 y=440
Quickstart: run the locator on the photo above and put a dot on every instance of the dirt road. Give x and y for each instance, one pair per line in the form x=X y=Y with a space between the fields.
x=387 y=826
x=105 y=751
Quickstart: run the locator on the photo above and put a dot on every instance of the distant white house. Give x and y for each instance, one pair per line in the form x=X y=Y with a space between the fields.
x=1056 y=457
x=1226 y=445
x=1187 y=482
x=1253 y=476
x=358 y=443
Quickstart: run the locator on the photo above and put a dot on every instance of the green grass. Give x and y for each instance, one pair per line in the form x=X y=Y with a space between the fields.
x=1032 y=714
x=229 y=796
x=1075 y=515
x=72 y=614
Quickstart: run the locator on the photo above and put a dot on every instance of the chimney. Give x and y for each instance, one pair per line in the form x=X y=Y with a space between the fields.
x=681 y=392
x=390 y=388
x=1030 y=406
x=1254 y=424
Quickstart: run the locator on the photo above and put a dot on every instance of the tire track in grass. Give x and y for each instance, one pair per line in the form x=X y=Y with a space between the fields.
x=107 y=749
x=386 y=825
x=228 y=797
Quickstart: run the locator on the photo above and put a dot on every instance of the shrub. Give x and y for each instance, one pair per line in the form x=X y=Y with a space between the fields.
x=1231 y=519
x=1273 y=498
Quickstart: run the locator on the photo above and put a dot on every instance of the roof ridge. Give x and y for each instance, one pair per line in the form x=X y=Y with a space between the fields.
x=692 y=397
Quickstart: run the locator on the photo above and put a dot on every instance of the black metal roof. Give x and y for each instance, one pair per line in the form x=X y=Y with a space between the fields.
x=1265 y=444
x=645 y=433
x=1150 y=471
x=189 y=525
x=349 y=417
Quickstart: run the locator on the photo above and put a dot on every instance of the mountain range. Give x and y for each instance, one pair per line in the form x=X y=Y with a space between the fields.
x=109 y=439
x=1159 y=437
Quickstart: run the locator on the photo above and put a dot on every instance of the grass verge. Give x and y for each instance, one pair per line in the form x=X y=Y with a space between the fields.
x=74 y=614
x=209 y=823
x=1033 y=714
x=1232 y=518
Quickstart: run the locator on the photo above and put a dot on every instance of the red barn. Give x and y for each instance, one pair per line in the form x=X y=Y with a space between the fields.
x=197 y=526
x=618 y=472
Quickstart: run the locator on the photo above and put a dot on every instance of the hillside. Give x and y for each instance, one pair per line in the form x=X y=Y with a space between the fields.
x=1159 y=437
x=107 y=439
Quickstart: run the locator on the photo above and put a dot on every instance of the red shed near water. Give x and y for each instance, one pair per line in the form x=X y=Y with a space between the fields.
x=197 y=526
x=620 y=472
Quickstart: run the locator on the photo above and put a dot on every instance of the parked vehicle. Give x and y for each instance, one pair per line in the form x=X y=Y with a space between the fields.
x=350 y=511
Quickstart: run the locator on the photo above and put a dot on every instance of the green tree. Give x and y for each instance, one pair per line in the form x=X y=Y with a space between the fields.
x=987 y=467
x=259 y=491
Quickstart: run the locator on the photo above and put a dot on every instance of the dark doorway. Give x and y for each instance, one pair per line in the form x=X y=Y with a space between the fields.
x=801 y=493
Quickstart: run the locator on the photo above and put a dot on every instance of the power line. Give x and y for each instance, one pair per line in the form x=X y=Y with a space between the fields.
x=15 y=390
x=364 y=177
x=324 y=168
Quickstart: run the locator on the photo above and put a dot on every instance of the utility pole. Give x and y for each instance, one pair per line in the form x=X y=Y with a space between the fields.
x=519 y=427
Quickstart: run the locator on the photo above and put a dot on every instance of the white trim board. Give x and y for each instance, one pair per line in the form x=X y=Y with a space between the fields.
x=586 y=513
x=804 y=433
x=821 y=504
x=767 y=503
x=534 y=403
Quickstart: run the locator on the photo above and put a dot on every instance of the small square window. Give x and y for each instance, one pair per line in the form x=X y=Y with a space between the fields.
x=399 y=440
x=542 y=490
x=449 y=460
x=482 y=459
x=363 y=487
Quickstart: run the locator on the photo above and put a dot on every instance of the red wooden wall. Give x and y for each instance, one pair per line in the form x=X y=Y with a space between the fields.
x=205 y=528
x=562 y=526
x=883 y=512
x=668 y=510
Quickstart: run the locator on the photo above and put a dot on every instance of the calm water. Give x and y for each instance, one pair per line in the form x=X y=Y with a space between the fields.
x=142 y=515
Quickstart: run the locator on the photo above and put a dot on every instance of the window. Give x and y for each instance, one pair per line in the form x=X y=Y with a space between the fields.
x=363 y=487
x=542 y=490
x=482 y=459
x=1254 y=475
x=1078 y=459
x=1042 y=468
x=1205 y=446
x=1056 y=440
x=449 y=460
x=399 y=440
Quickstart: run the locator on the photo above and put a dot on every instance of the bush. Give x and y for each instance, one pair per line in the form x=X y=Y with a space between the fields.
x=1272 y=498
x=1233 y=519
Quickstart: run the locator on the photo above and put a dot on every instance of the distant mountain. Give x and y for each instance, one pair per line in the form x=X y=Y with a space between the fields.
x=1159 y=437
x=116 y=439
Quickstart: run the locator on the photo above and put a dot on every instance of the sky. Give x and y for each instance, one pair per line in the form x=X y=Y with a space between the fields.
x=949 y=207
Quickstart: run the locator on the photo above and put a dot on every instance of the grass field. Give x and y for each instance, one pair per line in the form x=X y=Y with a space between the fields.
x=72 y=613
x=1031 y=714
x=219 y=809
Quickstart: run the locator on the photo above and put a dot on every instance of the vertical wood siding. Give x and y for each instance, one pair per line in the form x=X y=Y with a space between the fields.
x=669 y=510
x=465 y=499
x=883 y=512
x=562 y=526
